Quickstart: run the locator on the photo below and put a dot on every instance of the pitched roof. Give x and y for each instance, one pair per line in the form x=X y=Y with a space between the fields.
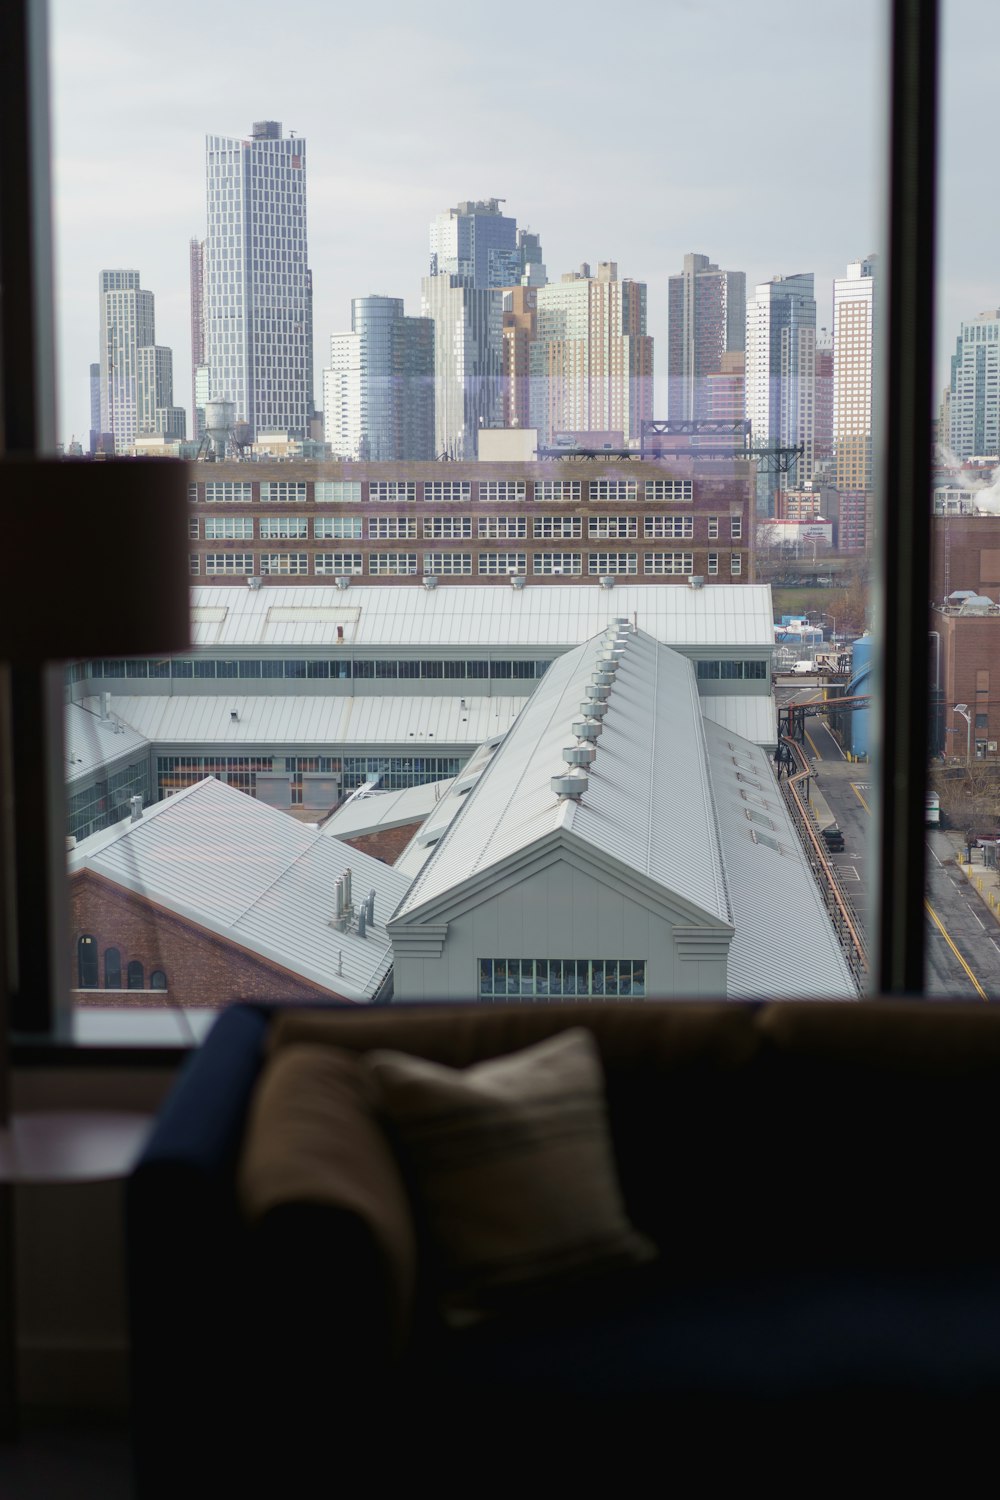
x=253 y=875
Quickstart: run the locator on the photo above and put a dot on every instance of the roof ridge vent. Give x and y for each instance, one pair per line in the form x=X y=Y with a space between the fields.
x=593 y=708
x=587 y=730
x=570 y=787
x=579 y=755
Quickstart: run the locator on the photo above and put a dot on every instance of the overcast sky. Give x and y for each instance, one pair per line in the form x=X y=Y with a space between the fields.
x=634 y=132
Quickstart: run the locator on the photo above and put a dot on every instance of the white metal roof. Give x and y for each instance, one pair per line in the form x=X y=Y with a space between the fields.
x=93 y=741
x=472 y=616
x=327 y=720
x=256 y=876
x=752 y=715
x=648 y=804
x=784 y=943
x=376 y=810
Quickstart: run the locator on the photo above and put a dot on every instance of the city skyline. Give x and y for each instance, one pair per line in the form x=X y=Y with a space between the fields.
x=376 y=182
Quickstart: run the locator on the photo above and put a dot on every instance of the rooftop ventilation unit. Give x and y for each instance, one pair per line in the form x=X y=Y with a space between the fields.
x=622 y=620
x=342 y=583
x=254 y=581
x=599 y=691
x=579 y=755
x=605 y=678
x=516 y=581
x=136 y=805
x=429 y=581
x=572 y=785
x=697 y=580
x=606 y=583
x=587 y=729
x=593 y=708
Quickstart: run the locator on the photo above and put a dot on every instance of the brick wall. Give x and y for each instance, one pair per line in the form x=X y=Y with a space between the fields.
x=201 y=968
x=387 y=844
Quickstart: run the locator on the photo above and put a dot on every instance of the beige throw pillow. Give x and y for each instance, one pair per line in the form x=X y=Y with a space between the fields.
x=512 y=1167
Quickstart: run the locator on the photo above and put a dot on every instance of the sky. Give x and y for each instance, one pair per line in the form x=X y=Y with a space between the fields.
x=637 y=132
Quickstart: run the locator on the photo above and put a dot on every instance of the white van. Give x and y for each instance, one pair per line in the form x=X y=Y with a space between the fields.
x=801 y=668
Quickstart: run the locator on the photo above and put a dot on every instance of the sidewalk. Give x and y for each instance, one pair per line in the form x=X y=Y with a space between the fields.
x=984 y=881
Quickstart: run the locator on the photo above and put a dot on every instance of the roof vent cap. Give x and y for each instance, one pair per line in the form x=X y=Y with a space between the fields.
x=579 y=755
x=429 y=581
x=516 y=581
x=606 y=583
x=342 y=583
x=572 y=785
x=587 y=729
x=594 y=708
x=697 y=580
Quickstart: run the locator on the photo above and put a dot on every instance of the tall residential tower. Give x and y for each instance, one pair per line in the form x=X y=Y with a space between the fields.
x=257 y=297
x=974 y=398
x=378 y=394
x=781 y=377
x=707 y=321
x=853 y=350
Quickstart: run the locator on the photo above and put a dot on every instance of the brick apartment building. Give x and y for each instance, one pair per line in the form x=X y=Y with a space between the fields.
x=566 y=521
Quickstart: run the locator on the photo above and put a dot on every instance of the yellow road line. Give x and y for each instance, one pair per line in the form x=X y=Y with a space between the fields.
x=861 y=799
x=812 y=743
x=944 y=933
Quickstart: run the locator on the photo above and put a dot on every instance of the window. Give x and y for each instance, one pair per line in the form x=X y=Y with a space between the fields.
x=229 y=529
x=562 y=978
x=562 y=527
x=612 y=528
x=157 y=980
x=499 y=489
x=86 y=959
x=447 y=528
x=228 y=491
x=669 y=489
x=381 y=564
x=447 y=491
x=506 y=528
x=677 y=528
x=337 y=528
x=736 y=527
x=136 y=975
x=274 y=527
x=336 y=564
x=193 y=525
x=713 y=563
x=713 y=528
x=222 y=563
x=337 y=491
x=282 y=490
x=735 y=563
x=599 y=563
x=392 y=528
x=503 y=562
x=557 y=489
x=294 y=563
x=448 y=563
x=557 y=562
x=392 y=490
x=668 y=562
x=613 y=489
x=112 y=969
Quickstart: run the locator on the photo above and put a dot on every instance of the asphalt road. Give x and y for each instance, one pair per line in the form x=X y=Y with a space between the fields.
x=963 y=936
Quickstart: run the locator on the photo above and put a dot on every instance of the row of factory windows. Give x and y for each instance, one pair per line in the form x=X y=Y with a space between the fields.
x=116 y=977
x=390 y=772
x=230 y=528
x=300 y=668
x=439 y=491
x=452 y=564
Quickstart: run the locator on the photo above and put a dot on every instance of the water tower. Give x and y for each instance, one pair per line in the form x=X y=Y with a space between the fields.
x=219 y=419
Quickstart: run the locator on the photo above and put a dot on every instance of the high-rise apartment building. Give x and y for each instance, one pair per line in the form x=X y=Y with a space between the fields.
x=707 y=321
x=257 y=294
x=474 y=252
x=823 y=436
x=781 y=378
x=378 y=394
x=591 y=359
x=156 y=412
x=725 y=391
x=127 y=325
x=974 y=397
x=853 y=358
x=196 y=257
x=520 y=326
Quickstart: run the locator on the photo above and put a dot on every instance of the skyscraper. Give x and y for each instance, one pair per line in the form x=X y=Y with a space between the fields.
x=591 y=359
x=126 y=326
x=474 y=251
x=974 y=397
x=853 y=350
x=196 y=256
x=257 y=295
x=781 y=377
x=156 y=412
x=707 y=320
x=378 y=394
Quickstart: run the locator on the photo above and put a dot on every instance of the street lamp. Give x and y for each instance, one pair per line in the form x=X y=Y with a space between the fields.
x=963 y=710
x=824 y=616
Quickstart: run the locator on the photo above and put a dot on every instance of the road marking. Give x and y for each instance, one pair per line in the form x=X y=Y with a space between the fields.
x=934 y=856
x=995 y=944
x=856 y=789
x=848 y=872
x=944 y=933
x=978 y=918
x=812 y=743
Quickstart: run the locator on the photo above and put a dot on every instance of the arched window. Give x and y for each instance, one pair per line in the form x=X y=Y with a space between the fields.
x=136 y=978
x=86 y=961
x=112 y=969
x=157 y=980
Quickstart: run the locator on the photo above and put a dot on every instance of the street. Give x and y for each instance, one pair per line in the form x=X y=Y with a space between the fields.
x=963 y=936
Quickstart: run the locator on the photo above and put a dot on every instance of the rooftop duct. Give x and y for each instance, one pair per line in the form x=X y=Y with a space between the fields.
x=587 y=729
x=594 y=708
x=516 y=581
x=697 y=580
x=429 y=581
x=342 y=583
x=579 y=755
x=599 y=691
x=606 y=583
x=254 y=581
x=136 y=805
x=572 y=785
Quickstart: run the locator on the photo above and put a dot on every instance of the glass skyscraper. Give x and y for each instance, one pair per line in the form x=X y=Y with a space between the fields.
x=781 y=377
x=378 y=400
x=257 y=296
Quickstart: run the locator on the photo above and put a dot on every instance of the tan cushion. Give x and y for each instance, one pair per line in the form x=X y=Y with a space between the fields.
x=313 y=1137
x=513 y=1169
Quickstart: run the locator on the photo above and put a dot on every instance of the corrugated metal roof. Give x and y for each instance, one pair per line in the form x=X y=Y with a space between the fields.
x=472 y=616
x=256 y=876
x=782 y=929
x=661 y=825
x=754 y=716
x=389 y=723
x=93 y=742
x=377 y=810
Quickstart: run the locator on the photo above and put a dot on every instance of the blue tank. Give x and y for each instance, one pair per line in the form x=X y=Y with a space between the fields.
x=860 y=683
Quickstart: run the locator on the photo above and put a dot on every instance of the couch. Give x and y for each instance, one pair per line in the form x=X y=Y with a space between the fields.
x=819 y=1181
